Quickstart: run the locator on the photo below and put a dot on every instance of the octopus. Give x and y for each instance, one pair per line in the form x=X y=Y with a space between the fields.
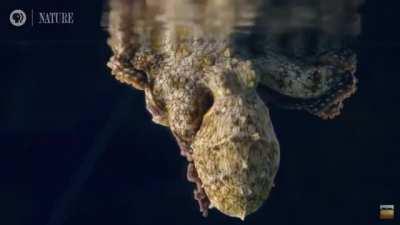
x=210 y=75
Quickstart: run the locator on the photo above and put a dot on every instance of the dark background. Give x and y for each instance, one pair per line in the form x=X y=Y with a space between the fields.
x=77 y=147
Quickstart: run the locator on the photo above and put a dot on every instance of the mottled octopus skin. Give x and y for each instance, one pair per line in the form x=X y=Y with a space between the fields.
x=236 y=154
x=204 y=86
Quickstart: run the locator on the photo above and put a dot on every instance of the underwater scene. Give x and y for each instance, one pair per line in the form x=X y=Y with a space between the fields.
x=150 y=112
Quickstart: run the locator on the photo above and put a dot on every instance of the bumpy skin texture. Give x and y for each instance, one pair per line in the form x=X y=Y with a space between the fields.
x=202 y=83
x=319 y=87
x=236 y=154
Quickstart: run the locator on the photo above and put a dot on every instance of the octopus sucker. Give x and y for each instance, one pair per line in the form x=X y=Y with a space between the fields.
x=209 y=75
x=199 y=193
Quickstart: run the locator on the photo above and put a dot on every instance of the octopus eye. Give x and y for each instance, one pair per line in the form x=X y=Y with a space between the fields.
x=207 y=102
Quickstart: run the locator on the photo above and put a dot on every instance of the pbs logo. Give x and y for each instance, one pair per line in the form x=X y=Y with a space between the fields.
x=17 y=17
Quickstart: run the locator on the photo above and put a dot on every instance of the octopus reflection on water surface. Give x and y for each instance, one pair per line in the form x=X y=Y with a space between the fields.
x=202 y=65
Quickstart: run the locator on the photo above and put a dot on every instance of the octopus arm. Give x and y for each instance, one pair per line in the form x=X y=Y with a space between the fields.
x=185 y=108
x=129 y=62
x=318 y=85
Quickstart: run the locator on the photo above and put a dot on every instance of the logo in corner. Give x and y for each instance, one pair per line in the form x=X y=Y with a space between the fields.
x=386 y=212
x=17 y=17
